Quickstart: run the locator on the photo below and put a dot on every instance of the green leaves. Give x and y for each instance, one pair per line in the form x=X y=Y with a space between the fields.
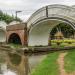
x=7 y=18
x=65 y=28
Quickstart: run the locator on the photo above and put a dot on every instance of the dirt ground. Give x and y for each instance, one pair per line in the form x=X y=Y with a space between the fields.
x=60 y=62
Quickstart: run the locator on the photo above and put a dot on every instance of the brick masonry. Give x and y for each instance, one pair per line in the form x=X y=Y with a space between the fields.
x=20 y=30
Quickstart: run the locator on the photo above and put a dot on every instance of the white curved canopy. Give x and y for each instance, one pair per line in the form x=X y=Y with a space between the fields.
x=3 y=24
x=14 y=22
x=2 y=35
x=3 y=31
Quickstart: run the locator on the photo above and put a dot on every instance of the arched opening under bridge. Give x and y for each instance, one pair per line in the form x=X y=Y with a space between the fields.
x=14 y=38
x=39 y=34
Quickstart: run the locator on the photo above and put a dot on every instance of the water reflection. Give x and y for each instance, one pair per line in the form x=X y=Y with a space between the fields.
x=18 y=64
x=3 y=65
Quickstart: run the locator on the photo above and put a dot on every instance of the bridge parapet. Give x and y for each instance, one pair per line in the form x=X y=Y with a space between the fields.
x=61 y=11
x=43 y=20
x=39 y=14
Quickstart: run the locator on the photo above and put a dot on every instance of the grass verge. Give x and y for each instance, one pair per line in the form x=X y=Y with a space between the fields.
x=48 y=66
x=70 y=61
x=15 y=45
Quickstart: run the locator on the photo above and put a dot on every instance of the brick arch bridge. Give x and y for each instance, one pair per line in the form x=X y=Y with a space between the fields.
x=41 y=22
x=17 y=34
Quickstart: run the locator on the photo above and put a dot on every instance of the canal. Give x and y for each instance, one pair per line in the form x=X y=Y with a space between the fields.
x=18 y=64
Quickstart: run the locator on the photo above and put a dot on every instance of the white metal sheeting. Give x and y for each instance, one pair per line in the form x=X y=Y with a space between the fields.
x=14 y=22
x=3 y=31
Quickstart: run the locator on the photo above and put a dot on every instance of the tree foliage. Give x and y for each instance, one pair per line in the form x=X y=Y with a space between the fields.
x=7 y=18
x=65 y=28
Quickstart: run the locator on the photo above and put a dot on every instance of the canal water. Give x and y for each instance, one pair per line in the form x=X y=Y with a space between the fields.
x=18 y=64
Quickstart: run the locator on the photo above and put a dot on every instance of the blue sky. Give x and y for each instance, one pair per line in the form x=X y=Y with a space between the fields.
x=28 y=6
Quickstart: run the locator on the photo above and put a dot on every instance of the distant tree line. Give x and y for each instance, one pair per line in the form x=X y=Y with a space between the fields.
x=7 y=18
x=65 y=28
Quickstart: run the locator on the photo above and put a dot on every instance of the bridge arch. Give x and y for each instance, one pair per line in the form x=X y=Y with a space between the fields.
x=52 y=11
x=43 y=20
x=14 y=38
x=40 y=33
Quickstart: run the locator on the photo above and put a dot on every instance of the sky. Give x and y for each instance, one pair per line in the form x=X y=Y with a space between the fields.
x=28 y=6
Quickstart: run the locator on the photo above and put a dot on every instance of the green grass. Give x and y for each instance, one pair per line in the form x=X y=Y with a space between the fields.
x=70 y=61
x=15 y=45
x=48 y=66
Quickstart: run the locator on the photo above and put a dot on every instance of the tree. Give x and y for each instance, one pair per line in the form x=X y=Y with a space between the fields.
x=7 y=18
x=65 y=28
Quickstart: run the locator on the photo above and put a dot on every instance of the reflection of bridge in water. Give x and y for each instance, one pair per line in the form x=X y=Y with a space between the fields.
x=18 y=62
x=14 y=61
x=22 y=68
